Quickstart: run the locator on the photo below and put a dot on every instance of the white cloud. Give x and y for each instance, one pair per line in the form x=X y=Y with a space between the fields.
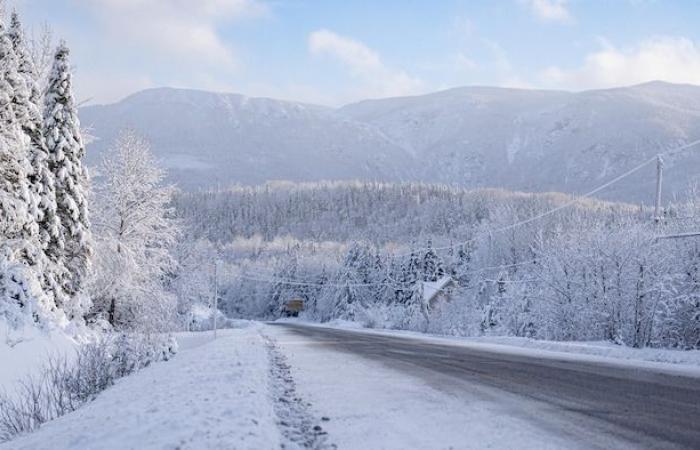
x=182 y=29
x=110 y=86
x=672 y=59
x=549 y=10
x=365 y=64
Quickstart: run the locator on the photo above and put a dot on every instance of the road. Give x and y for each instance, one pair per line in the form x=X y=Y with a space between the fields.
x=594 y=402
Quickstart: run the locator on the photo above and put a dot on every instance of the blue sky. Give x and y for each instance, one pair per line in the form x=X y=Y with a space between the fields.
x=333 y=51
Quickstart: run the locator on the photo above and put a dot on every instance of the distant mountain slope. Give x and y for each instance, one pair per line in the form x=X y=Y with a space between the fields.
x=545 y=140
x=520 y=139
x=207 y=139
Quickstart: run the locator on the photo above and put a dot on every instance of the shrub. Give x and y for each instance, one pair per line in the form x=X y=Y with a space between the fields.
x=64 y=384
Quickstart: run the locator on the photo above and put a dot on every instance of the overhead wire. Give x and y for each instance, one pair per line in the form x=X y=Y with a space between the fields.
x=527 y=221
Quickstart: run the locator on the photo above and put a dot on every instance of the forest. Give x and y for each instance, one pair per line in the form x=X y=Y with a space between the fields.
x=546 y=266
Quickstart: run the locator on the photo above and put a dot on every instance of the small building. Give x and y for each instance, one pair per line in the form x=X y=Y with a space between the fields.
x=439 y=291
x=293 y=307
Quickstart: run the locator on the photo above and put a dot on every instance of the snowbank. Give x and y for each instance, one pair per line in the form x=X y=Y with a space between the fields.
x=212 y=395
x=25 y=350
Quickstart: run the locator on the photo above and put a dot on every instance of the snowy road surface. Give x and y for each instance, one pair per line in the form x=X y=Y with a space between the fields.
x=294 y=387
x=396 y=392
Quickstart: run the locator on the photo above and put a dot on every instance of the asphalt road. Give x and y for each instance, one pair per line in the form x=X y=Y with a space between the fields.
x=590 y=402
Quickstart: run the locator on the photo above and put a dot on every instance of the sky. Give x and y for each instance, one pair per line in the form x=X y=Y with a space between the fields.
x=334 y=52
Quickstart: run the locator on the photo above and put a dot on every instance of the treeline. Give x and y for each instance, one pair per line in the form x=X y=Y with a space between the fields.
x=377 y=212
x=594 y=271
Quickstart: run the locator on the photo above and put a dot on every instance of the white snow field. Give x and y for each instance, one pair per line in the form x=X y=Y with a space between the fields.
x=28 y=348
x=212 y=395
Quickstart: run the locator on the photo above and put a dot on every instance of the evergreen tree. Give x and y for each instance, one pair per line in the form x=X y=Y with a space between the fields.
x=28 y=112
x=66 y=151
x=433 y=268
x=410 y=274
x=20 y=293
x=14 y=154
x=27 y=106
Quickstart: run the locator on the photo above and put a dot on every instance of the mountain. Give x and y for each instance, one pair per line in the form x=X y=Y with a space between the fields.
x=532 y=140
x=545 y=140
x=207 y=139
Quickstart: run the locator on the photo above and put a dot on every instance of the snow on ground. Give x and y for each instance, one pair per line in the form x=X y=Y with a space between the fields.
x=213 y=394
x=682 y=362
x=24 y=351
x=366 y=404
x=264 y=387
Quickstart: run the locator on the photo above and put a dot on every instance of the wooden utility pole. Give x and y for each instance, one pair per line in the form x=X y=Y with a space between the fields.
x=659 y=179
x=216 y=294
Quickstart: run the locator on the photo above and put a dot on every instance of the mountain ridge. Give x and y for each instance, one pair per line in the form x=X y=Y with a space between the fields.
x=476 y=137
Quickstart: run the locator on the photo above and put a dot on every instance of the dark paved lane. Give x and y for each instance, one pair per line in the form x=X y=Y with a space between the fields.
x=642 y=407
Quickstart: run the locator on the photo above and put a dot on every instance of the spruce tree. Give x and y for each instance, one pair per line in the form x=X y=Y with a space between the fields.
x=433 y=268
x=65 y=154
x=28 y=113
x=20 y=295
x=15 y=159
x=41 y=180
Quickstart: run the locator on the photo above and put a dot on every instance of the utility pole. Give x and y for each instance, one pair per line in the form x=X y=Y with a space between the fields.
x=216 y=294
x=659 y=179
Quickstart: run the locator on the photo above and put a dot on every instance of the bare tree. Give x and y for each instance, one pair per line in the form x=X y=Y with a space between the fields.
x=41 y=49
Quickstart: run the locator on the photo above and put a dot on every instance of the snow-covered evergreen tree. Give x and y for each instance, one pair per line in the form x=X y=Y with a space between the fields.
x=28 y=113
x=21 y=295
x=41 y=180
x=66 y=152
x=433 y=268
x=15 y=158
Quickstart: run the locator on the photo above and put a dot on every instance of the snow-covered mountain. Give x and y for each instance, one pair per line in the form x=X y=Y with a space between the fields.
x=207 y=139
x=520 y=139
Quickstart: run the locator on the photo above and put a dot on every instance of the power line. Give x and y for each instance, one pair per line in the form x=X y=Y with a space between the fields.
x=568 y=204
x=532 y=219
x=394 y=283
x=680 y=235
x=307 y=283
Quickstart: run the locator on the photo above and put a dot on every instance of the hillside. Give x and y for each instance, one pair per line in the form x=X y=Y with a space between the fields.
x=527 y=140
x=208 y=139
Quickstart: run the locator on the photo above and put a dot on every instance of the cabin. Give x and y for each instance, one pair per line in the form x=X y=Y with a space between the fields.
x=436 y=292
x=293 y=307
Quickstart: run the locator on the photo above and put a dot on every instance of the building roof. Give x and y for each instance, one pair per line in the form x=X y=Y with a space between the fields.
x=432 y=288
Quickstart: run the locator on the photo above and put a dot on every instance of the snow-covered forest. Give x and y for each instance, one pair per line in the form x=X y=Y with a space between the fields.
x=361 y=251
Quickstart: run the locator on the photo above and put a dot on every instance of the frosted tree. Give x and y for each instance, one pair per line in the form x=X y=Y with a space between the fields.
x=66 y=152
x=193 y=281
x=410 y=276
x=433 y=268
x=16 y=160
x=136 y=236
x=21 y=295
x=41 y=180
x=28 y=112
x=41 y=51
